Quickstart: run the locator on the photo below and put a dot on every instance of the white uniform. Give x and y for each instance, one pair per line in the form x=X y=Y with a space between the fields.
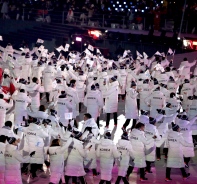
x=111 y=98
x=21 y=102
x=2 y=162
x=73 y=97
x=56 y=156
x=90 y=160
x=34 y=136
x=91 y=123
x=34 y=92
x=3 y=106
x=126 y=151
x=123 y=78
x=186 y=130
x=13 y=161
x=139 y=141
x=131 y=111
x=63 y=106
x=94 y=102
x=156 y=101
x=144 y=93
x=175 y=152
x=48 y=77
x=150 y=132
x=74 y=166
x=107 y=152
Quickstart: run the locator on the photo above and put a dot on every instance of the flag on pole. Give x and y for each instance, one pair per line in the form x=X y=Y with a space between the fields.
x=90 y=47
x=158 y=53
x=170 y=51
x=145 y=55
x=40 y=40
x=138 y=54
x=98 y=51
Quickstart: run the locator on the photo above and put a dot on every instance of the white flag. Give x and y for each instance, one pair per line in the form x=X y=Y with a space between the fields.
x=87 y=52
x=60 y=48
x=145 y=55
x=98 y=51
x=163 y=54
x=138 y=54
x=1 y=38
x=170 y=51
x=68 y=115
x=90 y=47
x=40 y=40
x=158 y=53
x=159 y=67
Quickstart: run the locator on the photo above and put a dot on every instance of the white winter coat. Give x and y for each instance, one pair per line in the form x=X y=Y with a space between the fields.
x=81 y=92
x=144 y=93
x=13 y=161
x=3 y=106
x=73 y=97
x=90 y=160
x=94 y=102
x=131 y=111
x=91 y=123
x=156 y=101
x=74 y=166
x=56 y=156
x=2 y=162
x=63 y=106
x=126 y=151
x=175 y=152
x=48 y=77
x=34 y=136
x=150 y=132
x=107 y=152
x=186 y=130
x=21 y=102
x=138 y=142
x=123 y=78
x=34 y=92
x=111 y=100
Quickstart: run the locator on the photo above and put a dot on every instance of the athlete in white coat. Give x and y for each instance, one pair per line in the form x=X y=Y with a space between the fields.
x=13 y=160
x=106 y=152
x=34 y=90
x=131 y=110
x=56 y=157
x=94 y=102
x=20 y=109
x=139 y=141
x=175 y=152
x=63 y=106
x=90 y=125
x=76 y=153
x=155 y=101
x=150 y=132
x=111 y=100
x=3 y=107
x=34 y=141
x=2 y=157
x=126 y=151
x=186 y=130
x=48 y=78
